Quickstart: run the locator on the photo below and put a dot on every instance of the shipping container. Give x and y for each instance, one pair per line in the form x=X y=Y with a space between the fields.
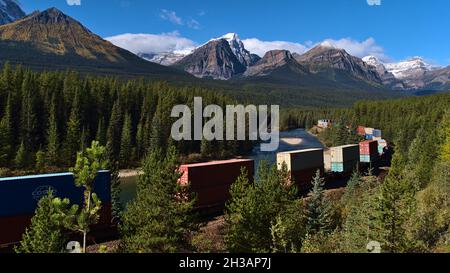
x=382 y=145
x=13 y=227
x=369 y=147
x=303 y=178
x=324 y=123
x=345 y=167
x=376 y=133
x=368 y=137
x=345 y=153
x=376 y=138
x=361 y=130
x=20 y=195
x=369 y=158
x=211 y=181
x=368 y=131
x=301 y=159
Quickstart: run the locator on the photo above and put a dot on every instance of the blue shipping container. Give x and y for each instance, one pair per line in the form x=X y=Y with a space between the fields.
x=20 y=195
x=377 y=133
x=369 y=137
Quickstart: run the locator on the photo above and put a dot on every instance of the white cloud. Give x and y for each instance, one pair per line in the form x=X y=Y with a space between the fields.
x=260 y=48
x=354 y=47
x=73 y=2
x=153 y=43
x=194 y=24
x=171 y=16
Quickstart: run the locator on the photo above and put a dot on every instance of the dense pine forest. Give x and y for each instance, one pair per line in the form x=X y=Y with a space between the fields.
x=47 y=117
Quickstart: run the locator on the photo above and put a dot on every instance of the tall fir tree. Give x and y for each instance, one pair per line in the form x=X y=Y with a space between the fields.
x=126 y=143
x=159 y=220
x=318 y=208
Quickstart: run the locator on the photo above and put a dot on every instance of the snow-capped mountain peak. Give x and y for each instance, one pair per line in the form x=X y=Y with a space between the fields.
x=413 y=67
x=238 y=48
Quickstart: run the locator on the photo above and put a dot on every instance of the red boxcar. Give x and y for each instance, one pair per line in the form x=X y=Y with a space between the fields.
x=211 y=181
x=12 y=228
x=303 y=178
x=369 y=147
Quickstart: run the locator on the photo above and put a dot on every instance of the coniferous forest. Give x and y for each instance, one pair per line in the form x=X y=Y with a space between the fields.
x=47 y=117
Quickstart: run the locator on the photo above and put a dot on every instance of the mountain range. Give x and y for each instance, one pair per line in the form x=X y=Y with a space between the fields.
x=52 y=40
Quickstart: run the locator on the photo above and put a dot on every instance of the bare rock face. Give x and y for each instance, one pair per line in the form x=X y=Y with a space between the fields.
x=215 y=60
x=325 y=58
x=274 y=60
x=10 y=11
x=438 y=79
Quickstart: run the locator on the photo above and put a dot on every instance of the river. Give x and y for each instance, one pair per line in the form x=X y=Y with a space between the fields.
x=289 y=141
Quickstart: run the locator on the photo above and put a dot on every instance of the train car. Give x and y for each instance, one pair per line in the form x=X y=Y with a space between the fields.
x=211 y=181
x=19 y=197
x=345 y=159
x=302 y=165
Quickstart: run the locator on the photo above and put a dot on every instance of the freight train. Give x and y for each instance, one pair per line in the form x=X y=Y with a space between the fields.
x=19 y=197
x=209 y=182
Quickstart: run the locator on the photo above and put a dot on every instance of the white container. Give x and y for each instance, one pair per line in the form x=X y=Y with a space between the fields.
x=301 y=159
x=345 y=153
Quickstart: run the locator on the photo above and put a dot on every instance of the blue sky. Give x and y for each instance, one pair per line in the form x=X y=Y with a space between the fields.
x=394 y=30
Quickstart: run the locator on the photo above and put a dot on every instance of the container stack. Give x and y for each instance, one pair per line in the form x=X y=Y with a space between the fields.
x=361 y=130
x=211 y=181
x=324 y=123
x=344 y=159
x=368 y=151
x=302 y=165
x=369 y=133
x=382 y=145
x=376 y=133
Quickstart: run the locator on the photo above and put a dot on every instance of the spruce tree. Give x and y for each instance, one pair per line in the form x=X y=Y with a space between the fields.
x=6 y=134
x=52 y=135
x=115 y=129
x=126 y=143
x=253 y=207
x=159 y=220
x=318 y=210
x=73 y=136
x=45 y=233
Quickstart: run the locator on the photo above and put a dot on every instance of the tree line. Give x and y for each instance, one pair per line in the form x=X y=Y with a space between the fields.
x=46 y=117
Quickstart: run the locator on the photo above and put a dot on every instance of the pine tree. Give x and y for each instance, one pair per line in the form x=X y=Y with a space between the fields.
x=6 y=134
x=88 y=164
x=73 y=136
x=115 y=129
x=394 y=206
x=158 y=221
x=126 y=143
x=45 y=233
x=253 y=207
x=28 y=115
x=318 y=208
x=21 y=159
x=52 y=135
